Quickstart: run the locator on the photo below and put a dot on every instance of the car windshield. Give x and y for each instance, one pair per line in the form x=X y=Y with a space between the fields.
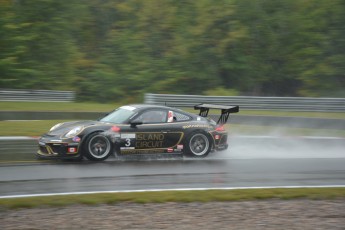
x=120 y=115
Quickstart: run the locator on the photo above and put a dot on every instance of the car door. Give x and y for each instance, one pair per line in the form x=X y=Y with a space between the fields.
x=150 y=133
x=177 y=129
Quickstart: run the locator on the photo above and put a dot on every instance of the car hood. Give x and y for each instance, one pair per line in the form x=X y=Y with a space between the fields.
x=67 y=126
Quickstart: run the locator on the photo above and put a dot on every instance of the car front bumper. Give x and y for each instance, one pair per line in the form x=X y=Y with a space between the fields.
x=52 y=147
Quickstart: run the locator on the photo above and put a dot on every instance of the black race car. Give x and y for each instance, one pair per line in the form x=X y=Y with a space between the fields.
x=139 y=129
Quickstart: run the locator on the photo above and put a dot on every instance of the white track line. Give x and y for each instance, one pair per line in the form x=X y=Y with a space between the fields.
x=165 y=190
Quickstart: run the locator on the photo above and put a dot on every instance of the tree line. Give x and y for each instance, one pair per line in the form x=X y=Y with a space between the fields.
x=117 y=50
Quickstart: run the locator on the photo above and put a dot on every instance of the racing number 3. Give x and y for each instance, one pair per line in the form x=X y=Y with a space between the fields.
x=128 y=142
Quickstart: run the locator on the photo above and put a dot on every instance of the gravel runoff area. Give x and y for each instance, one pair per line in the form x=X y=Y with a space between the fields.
x=264 y=214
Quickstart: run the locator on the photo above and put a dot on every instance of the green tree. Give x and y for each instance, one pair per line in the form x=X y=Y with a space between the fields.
x=320 y=52
x=110 y=50
x=44 y=48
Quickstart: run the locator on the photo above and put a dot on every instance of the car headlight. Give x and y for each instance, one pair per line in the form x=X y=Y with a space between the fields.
x=73 y=132
x=55 y=126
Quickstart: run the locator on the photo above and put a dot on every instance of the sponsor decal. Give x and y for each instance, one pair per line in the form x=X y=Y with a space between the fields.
x=216 y=137
x=56 y=140
x=149 y=140
x=72 y=150
x=179 y=147
x=150 y=137
x=149 y=144
x=170 y=150
x=177 y=150
x=76 y=139
x=196 y=126
x=130 y=108
x=142 y=151
x=127 y=135
x=122 y=148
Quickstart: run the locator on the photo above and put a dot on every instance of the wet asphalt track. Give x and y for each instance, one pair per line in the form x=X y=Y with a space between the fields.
x=250 y=162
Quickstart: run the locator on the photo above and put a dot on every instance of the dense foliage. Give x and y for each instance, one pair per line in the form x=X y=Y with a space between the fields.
x=109 y=50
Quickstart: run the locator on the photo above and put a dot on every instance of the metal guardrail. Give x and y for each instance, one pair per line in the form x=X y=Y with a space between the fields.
x=297 y=122
x=36 y=95
x=252 y=103
x=18 y=149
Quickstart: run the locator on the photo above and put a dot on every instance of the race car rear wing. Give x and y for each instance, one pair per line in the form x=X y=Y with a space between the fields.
x=225 y=111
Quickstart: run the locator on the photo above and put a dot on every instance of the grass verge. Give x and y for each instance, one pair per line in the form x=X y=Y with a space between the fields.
x=26 y=128
x=175 y=196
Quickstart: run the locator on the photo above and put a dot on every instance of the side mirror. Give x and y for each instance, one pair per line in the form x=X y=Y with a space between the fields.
x=135 y=123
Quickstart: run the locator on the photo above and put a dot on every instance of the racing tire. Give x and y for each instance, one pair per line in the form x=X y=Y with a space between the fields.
x=198 y=145
x=97 y=147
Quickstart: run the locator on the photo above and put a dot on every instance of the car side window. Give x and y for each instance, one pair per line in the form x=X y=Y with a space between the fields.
x=152 y=116
x=181 y=117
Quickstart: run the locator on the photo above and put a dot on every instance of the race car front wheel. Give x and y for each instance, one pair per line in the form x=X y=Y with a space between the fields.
x=97 y=147
x=198 y=145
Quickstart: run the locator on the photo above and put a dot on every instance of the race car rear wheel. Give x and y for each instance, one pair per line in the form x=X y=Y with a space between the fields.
x=198 y=145
x=97 y=147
